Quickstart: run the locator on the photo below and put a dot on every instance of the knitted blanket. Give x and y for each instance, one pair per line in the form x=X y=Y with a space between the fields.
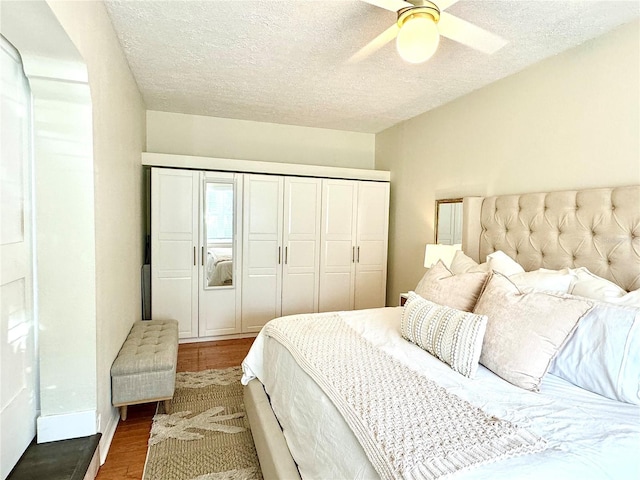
x=408 y=426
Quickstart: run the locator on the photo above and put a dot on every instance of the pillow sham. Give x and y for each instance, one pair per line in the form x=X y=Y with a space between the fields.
x=592 y=286
x=544 y=280
x=524 y=330
x=497 y=261
x=453 y=336
x=440 y=286
x=603 y=355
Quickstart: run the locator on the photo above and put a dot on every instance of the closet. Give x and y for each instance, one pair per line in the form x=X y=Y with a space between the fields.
x=354 y=238
x=231 y=251
x=281 y=247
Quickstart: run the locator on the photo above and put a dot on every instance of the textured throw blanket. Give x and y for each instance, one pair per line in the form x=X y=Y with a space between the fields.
x=408 y=426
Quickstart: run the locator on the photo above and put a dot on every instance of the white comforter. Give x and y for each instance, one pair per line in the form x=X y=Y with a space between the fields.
x=589 y=436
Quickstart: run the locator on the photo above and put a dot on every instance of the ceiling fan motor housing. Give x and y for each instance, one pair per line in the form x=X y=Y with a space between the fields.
x=421 y=8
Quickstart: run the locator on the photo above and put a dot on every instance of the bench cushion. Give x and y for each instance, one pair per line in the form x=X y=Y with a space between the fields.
x=145 y=368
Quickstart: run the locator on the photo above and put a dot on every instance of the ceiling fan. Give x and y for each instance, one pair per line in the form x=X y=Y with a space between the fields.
x=419 y=26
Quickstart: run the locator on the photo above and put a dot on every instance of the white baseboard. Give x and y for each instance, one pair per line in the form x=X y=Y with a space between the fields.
x=52 y=428
x=107 y=434
x=94 y=466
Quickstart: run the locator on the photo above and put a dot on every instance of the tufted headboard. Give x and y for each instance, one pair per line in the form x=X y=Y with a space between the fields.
x=598 y=229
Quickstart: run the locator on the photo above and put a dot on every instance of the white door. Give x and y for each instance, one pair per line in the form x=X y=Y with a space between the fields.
x=174 y=241
x=301 y=240
x=371 y=244
x=18 y=399
x=219 y=266
x=338 y=236
x=262 y=250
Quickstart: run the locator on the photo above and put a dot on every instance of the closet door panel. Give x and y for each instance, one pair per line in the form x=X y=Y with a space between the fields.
x=336 y=292
x=262 y=252
x=338 y=234
x=220 y=286
x=301 y=240
x=372 y=239
x=174 y=230
x=258 y=304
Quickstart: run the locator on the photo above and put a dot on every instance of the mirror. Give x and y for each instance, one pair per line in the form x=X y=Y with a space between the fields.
x=449 y=221
x=218 y=226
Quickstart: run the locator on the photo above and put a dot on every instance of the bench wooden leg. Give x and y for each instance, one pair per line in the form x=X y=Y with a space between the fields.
x=166 y=405
x=123 y=413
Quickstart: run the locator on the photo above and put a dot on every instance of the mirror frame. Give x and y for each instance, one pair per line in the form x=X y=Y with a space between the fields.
x=443 y=201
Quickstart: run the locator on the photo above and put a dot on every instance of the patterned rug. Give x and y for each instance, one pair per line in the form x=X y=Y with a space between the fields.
x=205 y=433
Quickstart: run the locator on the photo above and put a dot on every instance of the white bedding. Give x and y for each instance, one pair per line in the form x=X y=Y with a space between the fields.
x=589 y=436
x=219 y=267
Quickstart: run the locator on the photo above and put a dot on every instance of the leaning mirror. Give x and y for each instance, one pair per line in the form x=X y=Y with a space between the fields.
x=218 y=223
x=449 y=221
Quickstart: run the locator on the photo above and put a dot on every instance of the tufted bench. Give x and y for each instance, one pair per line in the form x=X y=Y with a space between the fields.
x=145 y=368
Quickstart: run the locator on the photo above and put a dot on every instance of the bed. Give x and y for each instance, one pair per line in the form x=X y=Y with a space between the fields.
x=219 y=266
x=576 y=414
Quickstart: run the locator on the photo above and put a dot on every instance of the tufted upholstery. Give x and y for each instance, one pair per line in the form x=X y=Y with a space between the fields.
x=145 y=368
x=598 y=229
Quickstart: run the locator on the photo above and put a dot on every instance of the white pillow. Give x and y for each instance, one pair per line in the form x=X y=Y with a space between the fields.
x=590 y=285
x=543 y=280
x=453 y=336
x=603 y=355
x=497 y=261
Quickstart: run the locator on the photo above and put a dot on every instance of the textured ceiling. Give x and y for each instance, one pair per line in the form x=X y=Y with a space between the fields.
x=286 y=61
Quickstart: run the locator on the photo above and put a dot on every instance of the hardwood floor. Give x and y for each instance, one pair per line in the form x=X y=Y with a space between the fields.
x=128 y=451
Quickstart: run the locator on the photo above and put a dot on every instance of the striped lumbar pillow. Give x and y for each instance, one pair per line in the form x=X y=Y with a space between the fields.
x=453 y=336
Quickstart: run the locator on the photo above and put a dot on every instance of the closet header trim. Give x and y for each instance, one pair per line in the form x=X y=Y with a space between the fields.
x=250 y=166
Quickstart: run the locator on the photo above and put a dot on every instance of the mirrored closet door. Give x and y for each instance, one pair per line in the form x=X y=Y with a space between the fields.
x=219 y=297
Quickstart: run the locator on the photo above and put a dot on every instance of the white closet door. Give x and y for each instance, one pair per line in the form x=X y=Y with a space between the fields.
x=174 y=240
x=220 y=255
x=338 y=235
x=262 y=252
x=302 y=212
x=18 y=365
x=371 y=249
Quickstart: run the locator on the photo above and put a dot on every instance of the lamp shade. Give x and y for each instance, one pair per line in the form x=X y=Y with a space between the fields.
x=418 y=38
x=434 y=252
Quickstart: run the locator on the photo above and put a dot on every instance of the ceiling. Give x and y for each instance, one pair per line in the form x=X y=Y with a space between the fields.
x=285 y=61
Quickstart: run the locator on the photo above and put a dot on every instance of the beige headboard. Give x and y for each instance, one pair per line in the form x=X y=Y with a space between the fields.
x=598 y=229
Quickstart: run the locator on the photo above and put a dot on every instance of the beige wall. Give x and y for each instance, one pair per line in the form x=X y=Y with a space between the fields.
x=269 y=142
x=119 y=138
x=571 y=121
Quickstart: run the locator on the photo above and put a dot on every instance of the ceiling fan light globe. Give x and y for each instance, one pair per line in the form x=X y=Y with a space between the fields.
x=418 y=38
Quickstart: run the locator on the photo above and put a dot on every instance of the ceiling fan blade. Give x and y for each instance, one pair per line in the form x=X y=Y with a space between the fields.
x=375 y=44
x=391 y=5
x=444 y=4
x=469 y=34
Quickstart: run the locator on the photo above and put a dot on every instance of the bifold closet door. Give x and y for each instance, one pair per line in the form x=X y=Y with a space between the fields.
x=372 y=233
x=338 y=235
x=301 y=240
x=174 y=236
x=262 y=250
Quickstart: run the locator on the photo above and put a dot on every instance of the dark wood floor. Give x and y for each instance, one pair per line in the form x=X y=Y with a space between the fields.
x=128 y=451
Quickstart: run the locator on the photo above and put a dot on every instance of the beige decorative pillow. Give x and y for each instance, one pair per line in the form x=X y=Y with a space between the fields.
x=453 y=336
x=441 y=286
x=524 y=330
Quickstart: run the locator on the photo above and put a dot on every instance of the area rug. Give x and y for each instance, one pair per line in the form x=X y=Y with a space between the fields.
x=204 y=434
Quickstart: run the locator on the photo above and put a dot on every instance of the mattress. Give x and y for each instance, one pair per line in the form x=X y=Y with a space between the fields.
x=589 y=436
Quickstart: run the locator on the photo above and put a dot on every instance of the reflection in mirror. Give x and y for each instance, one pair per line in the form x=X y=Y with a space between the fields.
x=449 y=221
x=218 y=211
